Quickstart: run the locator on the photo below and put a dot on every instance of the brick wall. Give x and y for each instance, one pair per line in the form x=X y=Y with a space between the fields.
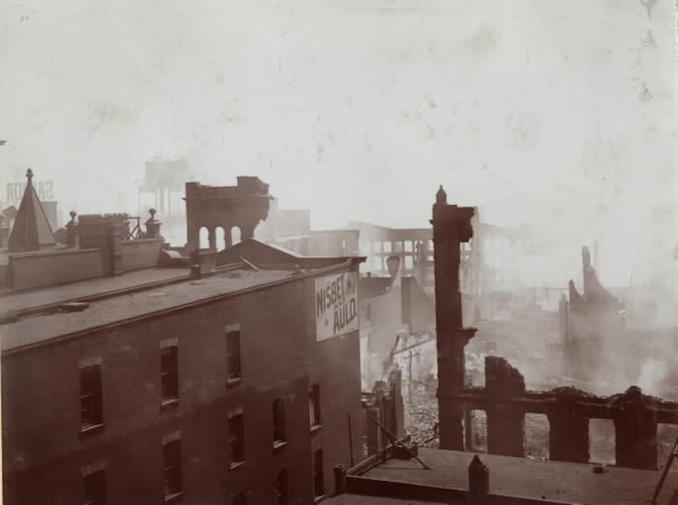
x=47 y=268
x=140 y=253
x=43 y=450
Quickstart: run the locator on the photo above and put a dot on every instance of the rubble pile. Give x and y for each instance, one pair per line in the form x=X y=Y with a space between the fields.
x=421 y=421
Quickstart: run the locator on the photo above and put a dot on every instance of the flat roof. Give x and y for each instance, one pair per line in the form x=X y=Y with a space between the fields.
x=34 y=298
x=357 y=499
x=526 y=478
x=41 y=327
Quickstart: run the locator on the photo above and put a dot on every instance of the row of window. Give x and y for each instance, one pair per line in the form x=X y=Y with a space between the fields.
x=92 y=405
x=92 y=413
x=396 y=245
x=91 y=390
x=94 y=483
x=92 y=419
x=91 y=387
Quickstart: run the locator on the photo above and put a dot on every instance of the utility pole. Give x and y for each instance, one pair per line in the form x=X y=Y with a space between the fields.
x=409 y=378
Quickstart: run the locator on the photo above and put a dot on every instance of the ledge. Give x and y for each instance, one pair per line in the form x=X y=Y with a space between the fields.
x=279 y=445
x=316 y=428
x=233 y=381
x=173 y=498
x=235 y=465
x=170 y=403
x=91 y=430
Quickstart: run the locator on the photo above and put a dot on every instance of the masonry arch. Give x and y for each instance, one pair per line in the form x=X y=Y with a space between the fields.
x=204 y=237
x=220 y=234
x=244 y=206
x=236 y=235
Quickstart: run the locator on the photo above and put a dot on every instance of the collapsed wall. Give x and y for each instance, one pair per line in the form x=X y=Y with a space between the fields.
x=506 y=401
x=588 y=322
x=505 y=398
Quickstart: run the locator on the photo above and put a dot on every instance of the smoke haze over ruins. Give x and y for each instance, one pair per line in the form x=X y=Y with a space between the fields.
x=357 y=109
x=299 y=251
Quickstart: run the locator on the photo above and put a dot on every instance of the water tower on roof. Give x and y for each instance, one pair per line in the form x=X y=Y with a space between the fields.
x=165 y=178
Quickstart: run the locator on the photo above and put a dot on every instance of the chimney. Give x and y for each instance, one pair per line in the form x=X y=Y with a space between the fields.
x=152 y=225
x=72 y=231
x=105 y=232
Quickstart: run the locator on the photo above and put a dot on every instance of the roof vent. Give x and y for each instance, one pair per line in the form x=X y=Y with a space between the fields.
x=73 y=306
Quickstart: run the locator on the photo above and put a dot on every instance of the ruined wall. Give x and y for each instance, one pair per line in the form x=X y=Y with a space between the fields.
x=451 y=228
x=505 y=421
x=227 y=207
x=384 y=413
x=592 y=327
x=380 y=322
x=506 y=401
x=418 y=309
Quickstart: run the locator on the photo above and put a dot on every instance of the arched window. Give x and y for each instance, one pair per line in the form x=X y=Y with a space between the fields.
x=204 y=238
x=235 y=235
x=221 y=238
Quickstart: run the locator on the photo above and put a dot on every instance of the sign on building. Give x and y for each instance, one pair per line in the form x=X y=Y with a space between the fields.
x=336 y=305
x=15 y=191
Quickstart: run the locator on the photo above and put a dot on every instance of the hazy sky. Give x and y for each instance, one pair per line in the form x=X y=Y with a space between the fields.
x=559 y=115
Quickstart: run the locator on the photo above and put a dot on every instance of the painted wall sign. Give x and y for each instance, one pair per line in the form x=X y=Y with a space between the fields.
x=15 y=191
x=336 y=305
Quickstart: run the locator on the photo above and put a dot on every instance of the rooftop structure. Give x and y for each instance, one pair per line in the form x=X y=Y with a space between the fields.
x=239 y=207
x=31 y=230
x=134 y=372
x=512 y=481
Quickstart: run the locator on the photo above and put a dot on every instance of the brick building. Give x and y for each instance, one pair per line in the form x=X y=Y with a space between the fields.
x=205 y=391
x=234 y=382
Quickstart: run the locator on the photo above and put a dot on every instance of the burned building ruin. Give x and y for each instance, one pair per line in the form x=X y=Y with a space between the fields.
x=586 y=320
x=451 y=227
x=505 y=398
x=236 y=209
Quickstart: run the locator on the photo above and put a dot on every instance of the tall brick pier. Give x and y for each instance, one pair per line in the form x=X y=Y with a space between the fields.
x=451 y=227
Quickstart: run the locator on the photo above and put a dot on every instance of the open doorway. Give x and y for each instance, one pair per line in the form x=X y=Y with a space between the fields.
x=602 y=441
x=537 y=429
x=475 y=426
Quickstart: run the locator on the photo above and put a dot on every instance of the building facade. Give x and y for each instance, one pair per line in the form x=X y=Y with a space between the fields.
x=214 y=390
x=234 y=386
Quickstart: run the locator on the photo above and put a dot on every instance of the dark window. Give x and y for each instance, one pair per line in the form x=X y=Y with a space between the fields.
x=314 y=405
x=281 y=488
x=172 y=468
x=95 y=488
x=318 y=484
x=233 y=368
x=239 y=499
x=279 y=420
x=91 y=411
x=237 y=438
x=169 y=373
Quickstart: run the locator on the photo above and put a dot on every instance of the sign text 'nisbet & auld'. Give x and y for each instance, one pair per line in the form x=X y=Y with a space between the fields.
x=336 y=305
